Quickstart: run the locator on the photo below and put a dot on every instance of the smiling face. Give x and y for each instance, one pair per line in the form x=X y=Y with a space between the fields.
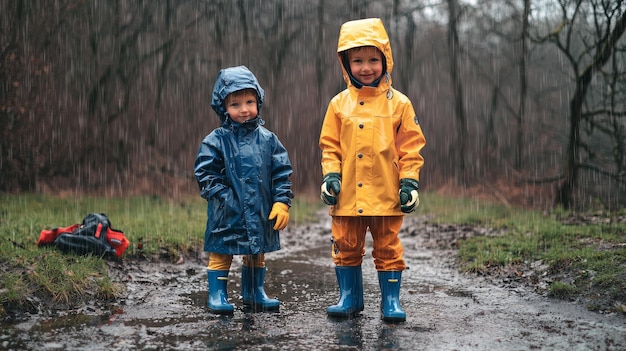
x=366 y=64
x=242 y=105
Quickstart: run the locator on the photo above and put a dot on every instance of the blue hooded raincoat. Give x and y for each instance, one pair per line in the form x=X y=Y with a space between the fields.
x=242 y=170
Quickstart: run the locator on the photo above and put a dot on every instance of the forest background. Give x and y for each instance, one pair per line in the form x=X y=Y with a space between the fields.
x=520 y=100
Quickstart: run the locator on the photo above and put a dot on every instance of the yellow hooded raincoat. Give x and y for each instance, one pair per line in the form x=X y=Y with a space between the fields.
x=371 y=136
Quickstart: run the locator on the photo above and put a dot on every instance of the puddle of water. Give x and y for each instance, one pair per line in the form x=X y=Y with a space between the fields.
x=166 y=309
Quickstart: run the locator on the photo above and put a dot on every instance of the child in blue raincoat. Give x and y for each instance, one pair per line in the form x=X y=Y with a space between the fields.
x=243 y=172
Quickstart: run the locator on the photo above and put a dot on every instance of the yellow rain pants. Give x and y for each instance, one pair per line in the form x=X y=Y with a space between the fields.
x=222 y=262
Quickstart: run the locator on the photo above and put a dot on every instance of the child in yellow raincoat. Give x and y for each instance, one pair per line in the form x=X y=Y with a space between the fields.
x=370 y=142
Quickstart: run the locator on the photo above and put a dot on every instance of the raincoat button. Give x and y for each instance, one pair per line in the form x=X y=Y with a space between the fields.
x=360 y=155
x=361 y=102
x=361 y=125
x=360 y=185
x=360 y=210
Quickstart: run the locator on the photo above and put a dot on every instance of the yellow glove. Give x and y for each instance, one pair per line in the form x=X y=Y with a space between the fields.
x=280 y=211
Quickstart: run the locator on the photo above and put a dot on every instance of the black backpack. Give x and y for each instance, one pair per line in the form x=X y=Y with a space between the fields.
x=94 y=236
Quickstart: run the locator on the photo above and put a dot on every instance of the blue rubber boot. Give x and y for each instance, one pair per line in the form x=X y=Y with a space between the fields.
x=390 y=294
x=350 y=280
x=218 y=294
x=252 y=291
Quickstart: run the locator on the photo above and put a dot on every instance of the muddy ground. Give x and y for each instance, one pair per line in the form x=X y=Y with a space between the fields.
x=164 y=307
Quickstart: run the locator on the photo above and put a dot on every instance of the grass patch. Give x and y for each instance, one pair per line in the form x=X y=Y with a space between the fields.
x=154 y=226
x=590 y=252
x=562 y=291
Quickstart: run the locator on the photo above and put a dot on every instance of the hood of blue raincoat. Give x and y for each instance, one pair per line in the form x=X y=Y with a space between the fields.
x=230 y=80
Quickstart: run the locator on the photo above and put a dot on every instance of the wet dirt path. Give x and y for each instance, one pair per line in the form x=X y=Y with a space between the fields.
x=446 y=310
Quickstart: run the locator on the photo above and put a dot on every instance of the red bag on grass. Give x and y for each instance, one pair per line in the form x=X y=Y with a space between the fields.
x=94 y=236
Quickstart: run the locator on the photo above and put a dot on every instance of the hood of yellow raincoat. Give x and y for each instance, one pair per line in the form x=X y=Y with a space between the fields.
x=365 y=32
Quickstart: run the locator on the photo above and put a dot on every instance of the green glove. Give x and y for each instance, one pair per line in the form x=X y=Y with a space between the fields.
x=409 y=198
x=331 y=186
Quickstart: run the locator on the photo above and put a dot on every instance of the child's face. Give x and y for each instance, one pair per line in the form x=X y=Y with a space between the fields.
x=241 y=107
x=366 y=64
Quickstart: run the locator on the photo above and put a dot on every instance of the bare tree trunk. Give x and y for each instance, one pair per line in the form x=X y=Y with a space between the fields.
x=244 y=20
x=358 y=8
x=519 y=147
x=408 y=69
x=319 y=57
x=605 y=50
x=619 y=152
x=453 y=50
x=17 y=164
